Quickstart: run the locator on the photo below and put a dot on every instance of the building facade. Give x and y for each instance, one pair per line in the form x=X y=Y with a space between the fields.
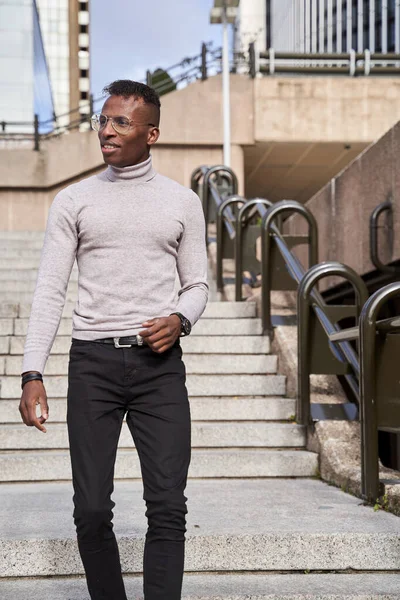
x=320 y=25
x=44 y=61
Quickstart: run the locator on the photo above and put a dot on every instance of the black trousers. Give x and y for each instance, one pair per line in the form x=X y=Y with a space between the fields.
x=104 y=384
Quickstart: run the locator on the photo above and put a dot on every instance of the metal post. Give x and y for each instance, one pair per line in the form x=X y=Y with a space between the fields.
x=203 y=62
x=307 y=35
x=349 y=25
x=339 y=27
x=36 y=134
x=232 y=200
x=252 y=60
x=3 y=126
x=360 y=26
x=321 y=26
x=369 y=409
x=384 y=26
x=226 y=91
x=238 y=243
x=148 y=78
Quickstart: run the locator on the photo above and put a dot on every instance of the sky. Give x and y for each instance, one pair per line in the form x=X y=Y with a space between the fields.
x=130 y=36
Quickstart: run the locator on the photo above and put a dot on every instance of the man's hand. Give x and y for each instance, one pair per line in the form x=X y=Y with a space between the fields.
x=34 y=393
x=160 y=334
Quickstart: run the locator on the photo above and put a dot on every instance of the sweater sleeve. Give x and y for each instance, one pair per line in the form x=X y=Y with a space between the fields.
x=192 y=262
x=56 y=261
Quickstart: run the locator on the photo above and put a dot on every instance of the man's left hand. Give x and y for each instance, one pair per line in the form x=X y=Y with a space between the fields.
x=161 y=333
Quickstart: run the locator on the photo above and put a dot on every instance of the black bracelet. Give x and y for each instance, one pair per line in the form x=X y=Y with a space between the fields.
x=31 y=377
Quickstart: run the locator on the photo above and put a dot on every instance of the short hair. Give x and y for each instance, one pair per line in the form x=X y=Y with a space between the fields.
x=128 y=88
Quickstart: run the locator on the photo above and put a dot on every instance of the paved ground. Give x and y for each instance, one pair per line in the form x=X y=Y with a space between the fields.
x=217 y=507
x=226 y=587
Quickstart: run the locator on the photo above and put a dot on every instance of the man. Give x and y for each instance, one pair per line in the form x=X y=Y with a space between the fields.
x=131 y=231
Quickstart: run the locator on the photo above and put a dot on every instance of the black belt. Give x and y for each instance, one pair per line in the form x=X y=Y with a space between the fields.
x=122 y=342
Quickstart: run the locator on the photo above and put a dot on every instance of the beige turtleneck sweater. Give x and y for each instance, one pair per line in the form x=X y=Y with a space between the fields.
x=131 y=231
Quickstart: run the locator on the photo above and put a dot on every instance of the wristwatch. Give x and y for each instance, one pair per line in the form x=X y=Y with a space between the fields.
x=186 y=326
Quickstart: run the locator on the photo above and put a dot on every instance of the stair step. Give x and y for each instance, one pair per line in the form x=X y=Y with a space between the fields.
x=240 y=462
x=204 y=435
x=224 y=344
x=263 y=525
x=215 y=327
x=195 y=363
x=213 y=586
x=202 y=409
x=197 y=385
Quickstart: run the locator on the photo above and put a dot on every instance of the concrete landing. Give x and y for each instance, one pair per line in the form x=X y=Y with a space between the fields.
x=233 y=525
x=226 y=587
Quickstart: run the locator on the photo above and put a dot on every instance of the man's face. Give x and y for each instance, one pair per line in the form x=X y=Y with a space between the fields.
x=132 y=148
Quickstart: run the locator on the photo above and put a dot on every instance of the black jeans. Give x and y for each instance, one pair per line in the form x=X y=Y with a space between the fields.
x=104 y=384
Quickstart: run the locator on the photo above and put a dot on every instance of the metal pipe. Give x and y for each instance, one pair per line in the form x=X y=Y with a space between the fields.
x=339 y=56
x=369 y=407
x=372 y=25
x=36 y=134
x=373 y=237
x=221 y=221
x=321 y=26
x=269 y=230
x=238 y=243
x=224 y=171
x=349 y=26
x=306 y=296
x=339 y=22
x=360 y=25
x=226 y=90
x=384 y=26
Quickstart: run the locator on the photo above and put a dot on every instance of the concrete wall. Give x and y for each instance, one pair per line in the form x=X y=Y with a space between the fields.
x=343 y=207
x=292 y=110
x=301 y=109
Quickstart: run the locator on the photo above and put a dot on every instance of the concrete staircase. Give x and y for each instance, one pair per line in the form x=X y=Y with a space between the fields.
x=260 y=525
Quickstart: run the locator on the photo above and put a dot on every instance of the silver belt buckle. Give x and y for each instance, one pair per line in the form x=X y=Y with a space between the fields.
x=118 y=345
x=140 y=340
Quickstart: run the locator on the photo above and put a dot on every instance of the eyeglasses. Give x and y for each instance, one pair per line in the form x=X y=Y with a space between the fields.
x=121 y=125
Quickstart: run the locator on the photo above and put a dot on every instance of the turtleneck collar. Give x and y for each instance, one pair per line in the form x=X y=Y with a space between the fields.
x=135 y=174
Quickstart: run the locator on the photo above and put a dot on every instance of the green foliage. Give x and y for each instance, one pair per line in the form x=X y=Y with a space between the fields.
x=162 y=82
x=382 y=503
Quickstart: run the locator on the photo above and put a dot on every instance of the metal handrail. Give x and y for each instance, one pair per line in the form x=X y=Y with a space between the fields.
x=374 y=226
x=271 y=233
x=226 y=218
x=257 y=204
x=210 y=188
x=364 y=366
x=326 y=63
x=308 y=296
x=369 y=392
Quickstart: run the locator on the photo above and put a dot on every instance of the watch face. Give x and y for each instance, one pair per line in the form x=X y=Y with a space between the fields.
x=186 y=326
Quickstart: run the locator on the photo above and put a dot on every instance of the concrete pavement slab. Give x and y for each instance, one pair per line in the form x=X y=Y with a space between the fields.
x=254 y=586
x=231 y=526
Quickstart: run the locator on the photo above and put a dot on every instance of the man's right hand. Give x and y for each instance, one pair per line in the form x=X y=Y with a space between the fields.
x=34 y=393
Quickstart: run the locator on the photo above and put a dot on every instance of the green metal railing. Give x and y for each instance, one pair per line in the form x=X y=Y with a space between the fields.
x=366 y=355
